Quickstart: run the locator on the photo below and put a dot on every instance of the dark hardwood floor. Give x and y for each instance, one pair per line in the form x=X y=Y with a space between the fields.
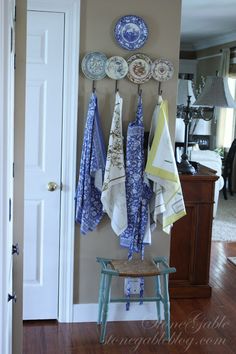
x=198 y=326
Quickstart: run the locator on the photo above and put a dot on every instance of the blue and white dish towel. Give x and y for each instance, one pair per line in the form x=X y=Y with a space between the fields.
x=138 y=192
x=89 y=209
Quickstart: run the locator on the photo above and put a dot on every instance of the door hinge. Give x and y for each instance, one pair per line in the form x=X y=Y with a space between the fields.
x=15 y=249
x=12 y=297
x=15 y=14
x=10 y=209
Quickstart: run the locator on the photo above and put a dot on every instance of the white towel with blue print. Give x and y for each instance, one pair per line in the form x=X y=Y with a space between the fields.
x=113 y=191
x=138 y=192
x=138 y=195
x=89 y=209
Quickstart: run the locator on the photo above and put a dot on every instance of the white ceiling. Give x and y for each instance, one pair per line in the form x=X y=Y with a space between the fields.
x=207 y=22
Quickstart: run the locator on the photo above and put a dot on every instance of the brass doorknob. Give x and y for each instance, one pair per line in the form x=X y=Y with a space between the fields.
x=52 y=186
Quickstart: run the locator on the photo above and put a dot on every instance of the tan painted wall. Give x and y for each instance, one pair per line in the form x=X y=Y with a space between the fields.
x=19 y=170
x=214 y=50
x=209 y=66
x=97 y=22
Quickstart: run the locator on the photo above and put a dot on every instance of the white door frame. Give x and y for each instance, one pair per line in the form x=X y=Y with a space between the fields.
x=3 y=175
x=6 y=165
x=71 y=10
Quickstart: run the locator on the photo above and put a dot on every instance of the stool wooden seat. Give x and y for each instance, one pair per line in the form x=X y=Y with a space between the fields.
x=135 y=268
x=157 y=268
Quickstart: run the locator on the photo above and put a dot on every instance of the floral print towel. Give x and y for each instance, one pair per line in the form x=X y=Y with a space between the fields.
x=113 y=192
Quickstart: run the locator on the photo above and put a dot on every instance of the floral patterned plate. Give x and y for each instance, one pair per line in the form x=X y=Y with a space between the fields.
x=116 y=68
x=162 y=69
x=131 y=32
x=139 y=68
x=93 y=65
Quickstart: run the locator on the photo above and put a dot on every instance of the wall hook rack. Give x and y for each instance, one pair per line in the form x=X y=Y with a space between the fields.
x=116 y=87
x=139 y=90
x=159 y=88
x=93 y=86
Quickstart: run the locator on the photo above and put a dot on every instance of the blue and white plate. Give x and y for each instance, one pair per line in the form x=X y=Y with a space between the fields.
x=131 y=32
x=116 y=68
x=93 y=65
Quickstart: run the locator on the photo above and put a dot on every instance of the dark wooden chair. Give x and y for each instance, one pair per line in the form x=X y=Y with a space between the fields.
x=228 y=169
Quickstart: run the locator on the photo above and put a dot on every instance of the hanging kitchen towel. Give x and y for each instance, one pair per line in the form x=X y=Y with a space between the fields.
x=88 y=195
x=138 y=192
x=154 y=200
x=113 y=191
x=168 y=204
x=154 y=122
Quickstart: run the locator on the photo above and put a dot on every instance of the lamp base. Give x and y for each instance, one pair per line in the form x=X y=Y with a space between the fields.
x=185 y=168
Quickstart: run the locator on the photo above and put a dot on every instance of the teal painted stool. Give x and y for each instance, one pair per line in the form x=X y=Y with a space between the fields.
x=156 y=268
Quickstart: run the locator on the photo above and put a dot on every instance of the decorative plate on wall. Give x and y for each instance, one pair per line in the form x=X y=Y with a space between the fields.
x=131 y=32
x=139 y=68
x=93 y=65
x=116 y=68
x=162 y=69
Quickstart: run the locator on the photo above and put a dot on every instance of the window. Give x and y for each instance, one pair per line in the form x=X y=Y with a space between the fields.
x=229 y=129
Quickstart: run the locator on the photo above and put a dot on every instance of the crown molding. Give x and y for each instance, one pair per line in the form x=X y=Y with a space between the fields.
x=212 y=42
x=208 y=42
x=187 y=47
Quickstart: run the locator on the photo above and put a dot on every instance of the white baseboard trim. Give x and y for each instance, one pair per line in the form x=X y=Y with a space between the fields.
x=117 y=312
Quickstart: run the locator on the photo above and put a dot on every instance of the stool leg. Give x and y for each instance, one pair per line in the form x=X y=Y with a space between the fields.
x=166 y=307
x=101 y=297
x=230 y=183
x=105 y=307
x=158 y=303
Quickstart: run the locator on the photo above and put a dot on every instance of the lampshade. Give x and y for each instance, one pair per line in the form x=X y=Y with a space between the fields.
x=179 y=130
x=200 y=127
x=185 y=89
x=216 y=93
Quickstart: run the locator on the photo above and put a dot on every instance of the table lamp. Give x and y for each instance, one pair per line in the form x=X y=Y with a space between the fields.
x=215 y=93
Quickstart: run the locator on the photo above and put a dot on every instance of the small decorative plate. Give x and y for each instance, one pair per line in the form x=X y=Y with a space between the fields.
x=116 y=67
x=93 y=65
x=139 y=68
x=131 y=32
x=162 y=69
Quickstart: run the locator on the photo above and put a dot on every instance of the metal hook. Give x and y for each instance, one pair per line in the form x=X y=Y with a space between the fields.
x=93 y=86
x=159 y=88
x=139 y=90
x=116 y=87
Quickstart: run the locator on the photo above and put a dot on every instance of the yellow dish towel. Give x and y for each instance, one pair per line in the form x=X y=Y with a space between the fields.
x=168 y=204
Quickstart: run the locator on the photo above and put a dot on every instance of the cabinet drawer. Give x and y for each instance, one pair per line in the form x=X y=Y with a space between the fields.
x=198 y=192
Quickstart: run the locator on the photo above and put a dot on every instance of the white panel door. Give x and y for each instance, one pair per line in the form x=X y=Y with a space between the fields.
x=45 y=43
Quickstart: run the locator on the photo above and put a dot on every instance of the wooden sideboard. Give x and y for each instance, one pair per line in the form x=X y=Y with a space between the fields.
x=191 y=237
